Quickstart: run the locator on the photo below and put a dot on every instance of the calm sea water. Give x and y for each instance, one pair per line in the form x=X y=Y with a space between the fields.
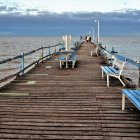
x=12 y=46
x=127 y=46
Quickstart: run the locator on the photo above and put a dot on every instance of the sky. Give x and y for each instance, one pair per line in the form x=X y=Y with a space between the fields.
x=59 y=17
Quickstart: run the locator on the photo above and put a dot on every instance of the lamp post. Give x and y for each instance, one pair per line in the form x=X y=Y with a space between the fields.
x=98 y=29
x=89 y=33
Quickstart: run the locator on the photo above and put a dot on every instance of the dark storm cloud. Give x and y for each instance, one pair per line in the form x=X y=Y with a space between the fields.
x=45 y=21
x=3 y=8
x=7 y=9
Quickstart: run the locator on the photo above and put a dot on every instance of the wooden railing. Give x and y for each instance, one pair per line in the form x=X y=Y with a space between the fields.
x=44 y=52
x=23 y=62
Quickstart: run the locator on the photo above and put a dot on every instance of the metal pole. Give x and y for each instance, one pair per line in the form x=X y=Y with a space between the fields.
x=98 y=32
x=93 y=34
x=89 y=32
x=66 y=42
x=98 y=40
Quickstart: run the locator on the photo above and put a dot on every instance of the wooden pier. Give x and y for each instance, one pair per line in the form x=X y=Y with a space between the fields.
x=74 y=103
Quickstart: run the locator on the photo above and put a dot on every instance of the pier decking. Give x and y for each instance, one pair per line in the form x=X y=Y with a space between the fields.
x=53 y=103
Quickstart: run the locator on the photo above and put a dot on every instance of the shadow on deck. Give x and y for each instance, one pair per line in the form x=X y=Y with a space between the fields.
x=67 y=104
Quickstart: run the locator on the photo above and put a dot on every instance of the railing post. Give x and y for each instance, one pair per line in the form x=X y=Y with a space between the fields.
x=139 y=76
x=138 y=84
x=42 y=53
x=55 y=50
x=49 y=52
x=21 y=67
x=60 y=47
x=112 y=50
x=112 y=55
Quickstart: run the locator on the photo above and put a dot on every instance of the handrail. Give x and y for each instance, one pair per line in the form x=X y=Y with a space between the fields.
x=22 y=59
x=121 y=57
x=103 y=52
x=18 y=73
x=25 y=54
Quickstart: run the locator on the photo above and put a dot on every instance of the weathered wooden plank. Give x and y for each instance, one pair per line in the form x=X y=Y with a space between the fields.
x=53 y=132
x=67 y=104
x=42 y=137
x=13 y=94
x=120 y=138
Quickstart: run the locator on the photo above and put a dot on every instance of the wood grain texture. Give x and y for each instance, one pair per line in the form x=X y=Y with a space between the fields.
x=67 y=104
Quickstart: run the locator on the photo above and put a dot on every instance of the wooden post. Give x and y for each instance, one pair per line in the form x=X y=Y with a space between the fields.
x=69 y=42
x=63 y=42
x=66 y=42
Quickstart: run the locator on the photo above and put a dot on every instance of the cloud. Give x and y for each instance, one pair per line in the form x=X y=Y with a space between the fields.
x=3 y=8
x=51 y=23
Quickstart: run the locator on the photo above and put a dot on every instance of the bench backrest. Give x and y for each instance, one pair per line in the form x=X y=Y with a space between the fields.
x=119 y=65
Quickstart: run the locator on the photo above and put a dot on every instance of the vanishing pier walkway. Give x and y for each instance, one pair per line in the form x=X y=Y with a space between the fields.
x=53 y=103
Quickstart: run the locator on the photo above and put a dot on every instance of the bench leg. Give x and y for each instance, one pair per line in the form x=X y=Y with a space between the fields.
x=102 y=74
x=73 y=64
x=122 y=82
x=123 y=102
x=91 y=53
x=108 y=80
x=66 y=64
x=60 y=64
x=97 y=53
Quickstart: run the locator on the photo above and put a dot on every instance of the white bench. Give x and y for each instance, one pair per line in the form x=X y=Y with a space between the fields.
x=95 y=51
x=115 y=70
x=132 y=95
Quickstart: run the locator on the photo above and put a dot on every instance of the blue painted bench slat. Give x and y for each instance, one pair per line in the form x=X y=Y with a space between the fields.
x=62 y=58
x=109 y=70
x=132 y=95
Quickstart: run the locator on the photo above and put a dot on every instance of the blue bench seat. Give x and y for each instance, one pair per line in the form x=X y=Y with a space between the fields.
x=132 y=95
x=109 y=70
